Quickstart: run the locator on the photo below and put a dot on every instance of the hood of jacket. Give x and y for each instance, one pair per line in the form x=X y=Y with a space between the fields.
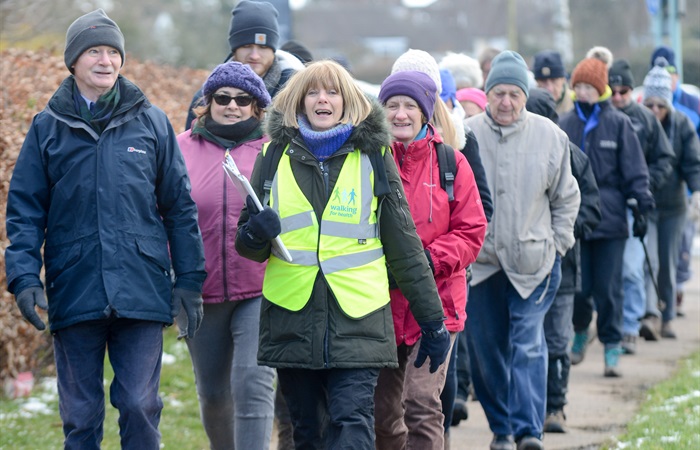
x=369 y=136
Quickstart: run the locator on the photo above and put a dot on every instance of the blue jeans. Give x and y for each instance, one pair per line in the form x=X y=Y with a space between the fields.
x=336 y=402
x=601 y=283
x=508 y=352
x=236 y=395
x=664 y=237
x=633 y=283
x=135 y=349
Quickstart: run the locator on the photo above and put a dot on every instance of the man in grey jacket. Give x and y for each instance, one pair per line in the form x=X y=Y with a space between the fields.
x=517 y=274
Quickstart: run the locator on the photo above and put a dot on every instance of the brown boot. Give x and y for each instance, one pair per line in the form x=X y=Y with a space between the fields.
x=666 y=331
x=649 y=328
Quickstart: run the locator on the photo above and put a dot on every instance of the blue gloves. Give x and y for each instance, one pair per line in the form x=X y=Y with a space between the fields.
x=27 y=300
x=262 y=226
x=191 y=303
x=434 y=342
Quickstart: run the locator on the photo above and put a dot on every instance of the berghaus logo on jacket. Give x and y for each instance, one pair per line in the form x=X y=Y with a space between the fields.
x=135 y=150
x=604 y=143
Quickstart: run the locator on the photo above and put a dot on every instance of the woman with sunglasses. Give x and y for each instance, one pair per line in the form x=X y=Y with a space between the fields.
x=235 y=394
x=666 y=222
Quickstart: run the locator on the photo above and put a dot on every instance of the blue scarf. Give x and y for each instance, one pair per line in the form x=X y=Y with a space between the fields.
x=323 y=143
x=590 y=121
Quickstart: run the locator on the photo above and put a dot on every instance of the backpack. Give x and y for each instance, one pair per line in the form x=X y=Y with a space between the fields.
x=446 y=161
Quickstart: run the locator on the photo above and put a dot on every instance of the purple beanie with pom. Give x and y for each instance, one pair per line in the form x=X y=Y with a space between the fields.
x=237 y=75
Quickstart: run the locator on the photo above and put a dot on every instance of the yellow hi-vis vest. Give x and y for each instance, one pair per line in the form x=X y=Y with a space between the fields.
x=345 y=246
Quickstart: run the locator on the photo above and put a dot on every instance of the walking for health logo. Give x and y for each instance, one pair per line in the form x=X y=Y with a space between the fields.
x=343 y=202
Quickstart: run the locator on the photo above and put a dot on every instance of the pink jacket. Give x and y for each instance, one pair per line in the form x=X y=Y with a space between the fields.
x=229 y=276
x=452 y=232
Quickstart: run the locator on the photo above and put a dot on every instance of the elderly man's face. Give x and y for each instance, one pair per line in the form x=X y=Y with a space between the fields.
x=506 y=102
x=96 y=70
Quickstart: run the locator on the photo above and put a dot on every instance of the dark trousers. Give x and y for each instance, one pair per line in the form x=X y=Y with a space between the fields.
x=601 y=288
x=135 y=349
x=558 y=333
x=336 y=402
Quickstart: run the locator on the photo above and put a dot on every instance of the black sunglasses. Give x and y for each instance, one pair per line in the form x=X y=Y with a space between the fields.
x=224 y=99
x=622 y=91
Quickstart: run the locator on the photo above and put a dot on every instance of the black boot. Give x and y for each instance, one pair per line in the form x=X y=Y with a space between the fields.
x=557 y=387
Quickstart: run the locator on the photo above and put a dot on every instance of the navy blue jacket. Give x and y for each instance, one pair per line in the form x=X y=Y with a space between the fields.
x=113 y=211
x=617 y=161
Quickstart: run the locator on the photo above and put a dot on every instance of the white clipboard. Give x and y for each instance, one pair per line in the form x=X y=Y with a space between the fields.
x=244 y=189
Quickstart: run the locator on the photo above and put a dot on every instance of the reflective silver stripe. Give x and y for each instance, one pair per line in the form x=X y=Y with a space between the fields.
x=351 y=230
x=367 y=191
x=344 y=262
x=297 y=221
x=304 y=257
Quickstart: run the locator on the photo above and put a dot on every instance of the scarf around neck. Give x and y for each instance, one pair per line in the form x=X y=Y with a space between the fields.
x=100 y=112
x=230 y=135
x=323 y=143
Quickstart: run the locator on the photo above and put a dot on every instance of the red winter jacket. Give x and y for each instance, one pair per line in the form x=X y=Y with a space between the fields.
x=452 y=232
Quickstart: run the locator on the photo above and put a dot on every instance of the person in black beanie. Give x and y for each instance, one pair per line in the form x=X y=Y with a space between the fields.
x=253 y=38
x=100 y=184
x=550 y=74
x=659 y=158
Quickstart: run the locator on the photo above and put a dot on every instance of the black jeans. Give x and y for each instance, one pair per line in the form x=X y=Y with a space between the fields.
x=337 y=403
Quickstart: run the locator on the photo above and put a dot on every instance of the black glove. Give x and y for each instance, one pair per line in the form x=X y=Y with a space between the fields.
x=639 y=227
x=27 y=300
x=434 y=342
x=262 y=225
x=191 y=303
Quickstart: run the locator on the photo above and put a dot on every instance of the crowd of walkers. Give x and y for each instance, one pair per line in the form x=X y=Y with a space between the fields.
x=452 y=233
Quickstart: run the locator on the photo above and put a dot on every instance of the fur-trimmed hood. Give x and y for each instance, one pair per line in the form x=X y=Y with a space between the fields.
x=369 y=136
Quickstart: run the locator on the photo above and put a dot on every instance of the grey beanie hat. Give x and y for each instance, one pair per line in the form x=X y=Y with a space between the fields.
x=253 y=23
x=91 y=30
x=237 y=75
x=508 y=67
x=620 y=74
x=658 y=83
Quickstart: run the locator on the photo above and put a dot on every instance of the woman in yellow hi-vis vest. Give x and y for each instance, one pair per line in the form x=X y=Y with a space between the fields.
x=326 y=323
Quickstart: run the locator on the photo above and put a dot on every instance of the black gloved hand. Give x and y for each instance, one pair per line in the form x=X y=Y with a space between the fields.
x=434 y=342
x=191 y=302
x=262 y=225
x=639 y=226
x=27 y=300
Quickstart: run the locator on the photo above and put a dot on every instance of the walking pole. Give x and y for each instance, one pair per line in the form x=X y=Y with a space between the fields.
x=633 y=205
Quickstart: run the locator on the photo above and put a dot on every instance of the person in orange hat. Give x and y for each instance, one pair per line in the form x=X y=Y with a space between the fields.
x=607 y=137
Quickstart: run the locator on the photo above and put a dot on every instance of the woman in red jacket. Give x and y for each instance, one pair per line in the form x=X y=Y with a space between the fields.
x=452 y=233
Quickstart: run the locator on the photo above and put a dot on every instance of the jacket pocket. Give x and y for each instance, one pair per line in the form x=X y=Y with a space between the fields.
x=285 y=325
x=59 y=258
x=371 y=326
x=155 y=252
x=531 y=256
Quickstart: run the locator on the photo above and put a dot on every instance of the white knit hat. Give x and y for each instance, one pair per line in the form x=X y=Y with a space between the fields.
x=658 y=83
x=420 y=61
x=465 y=70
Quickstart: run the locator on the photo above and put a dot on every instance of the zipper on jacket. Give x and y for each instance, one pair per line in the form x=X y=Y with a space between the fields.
x=405 y=214
x=224 y=212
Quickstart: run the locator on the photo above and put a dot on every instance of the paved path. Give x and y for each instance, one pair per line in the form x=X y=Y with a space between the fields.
x=600 y=407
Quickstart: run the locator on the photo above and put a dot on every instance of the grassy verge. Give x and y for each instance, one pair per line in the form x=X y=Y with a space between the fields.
x=669 y=418
x=34 y=422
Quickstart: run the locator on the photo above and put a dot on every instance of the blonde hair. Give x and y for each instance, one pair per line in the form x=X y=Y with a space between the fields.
x=328 y=75
x=442 y=119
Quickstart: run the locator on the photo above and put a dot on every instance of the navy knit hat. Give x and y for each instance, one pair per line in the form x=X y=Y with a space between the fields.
x=664 y=52
x=620 y=74
x=411 y=83
x=508 y=67
x=237 y=75
x=91 y=30
x=253 y=23
x=548 y=64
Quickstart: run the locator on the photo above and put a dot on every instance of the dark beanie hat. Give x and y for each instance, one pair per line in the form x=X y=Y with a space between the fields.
x=592 y=71
x=620 y=74
x=548 y=64
x=253 y=23
x=411 y=83
x=237 y=75
x=508 y=67
x=91 y=30
x=664 y=52
x=299 y=50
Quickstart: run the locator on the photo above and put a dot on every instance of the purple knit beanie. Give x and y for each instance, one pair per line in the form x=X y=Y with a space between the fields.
x=417 y=85
x=237 y=75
